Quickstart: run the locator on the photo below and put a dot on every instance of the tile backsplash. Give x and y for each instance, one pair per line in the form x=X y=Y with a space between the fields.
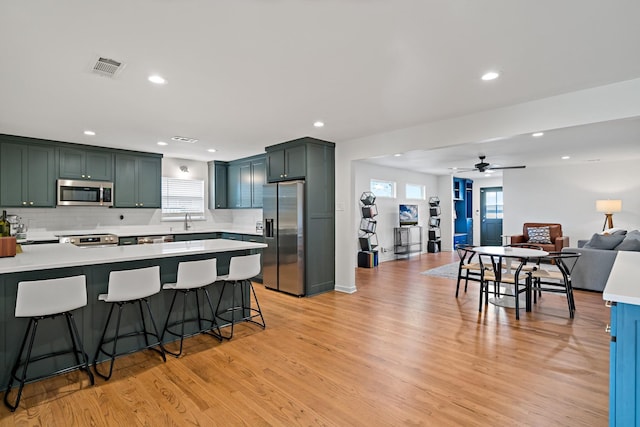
x=86 y=218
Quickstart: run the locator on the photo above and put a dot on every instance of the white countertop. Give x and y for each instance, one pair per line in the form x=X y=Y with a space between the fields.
x=140 y=230
x=623 y=284
x=59 y=255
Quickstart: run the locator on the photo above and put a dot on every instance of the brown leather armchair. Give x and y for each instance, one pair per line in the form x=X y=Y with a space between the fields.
x=558 y=241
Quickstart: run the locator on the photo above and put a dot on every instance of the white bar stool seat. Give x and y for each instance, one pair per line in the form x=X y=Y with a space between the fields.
x=193 y=276
x=129 y=287
x=46 y=299
x=241 y=270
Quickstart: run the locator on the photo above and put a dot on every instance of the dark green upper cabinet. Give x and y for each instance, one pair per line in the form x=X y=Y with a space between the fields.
x=286 y=163
x=258 y=179
x=245 y=178
x=27 y=175
x=137 y=181
x=218 y=172
x=77 y=163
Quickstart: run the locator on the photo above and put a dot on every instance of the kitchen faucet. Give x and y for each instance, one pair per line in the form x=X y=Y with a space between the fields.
x=187 y=221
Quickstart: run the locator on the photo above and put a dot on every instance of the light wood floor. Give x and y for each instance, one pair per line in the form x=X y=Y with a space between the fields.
x=400 y=351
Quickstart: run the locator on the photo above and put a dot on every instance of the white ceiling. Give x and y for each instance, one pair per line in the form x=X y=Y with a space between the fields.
x=246 y=74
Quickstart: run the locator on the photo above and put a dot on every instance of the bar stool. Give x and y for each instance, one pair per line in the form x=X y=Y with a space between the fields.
x=129 y=287
x=241 y=269
x=193 y=276
x=46 y=299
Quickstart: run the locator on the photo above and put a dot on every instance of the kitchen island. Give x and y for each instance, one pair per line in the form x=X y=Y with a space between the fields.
x=622 y=294
x=48 y=261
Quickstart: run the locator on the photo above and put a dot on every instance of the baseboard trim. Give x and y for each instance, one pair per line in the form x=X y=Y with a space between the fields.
x=346 y=289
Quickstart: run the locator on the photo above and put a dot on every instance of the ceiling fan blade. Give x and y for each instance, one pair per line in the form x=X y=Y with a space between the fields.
x=507 y=167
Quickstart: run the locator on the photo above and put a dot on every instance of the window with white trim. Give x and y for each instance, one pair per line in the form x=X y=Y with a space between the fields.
x=182 y=196
x=383 y=188
x=414 y=191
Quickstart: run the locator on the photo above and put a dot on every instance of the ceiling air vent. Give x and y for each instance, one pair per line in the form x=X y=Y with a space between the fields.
x=184 y=139
x=107 y=67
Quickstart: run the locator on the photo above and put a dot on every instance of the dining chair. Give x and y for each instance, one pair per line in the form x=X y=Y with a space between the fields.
x=556 y=280
x=495 y=270
x=468 y=268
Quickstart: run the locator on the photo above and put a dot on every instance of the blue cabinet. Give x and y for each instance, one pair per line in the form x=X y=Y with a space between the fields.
x=624 y=365
x=463 y=207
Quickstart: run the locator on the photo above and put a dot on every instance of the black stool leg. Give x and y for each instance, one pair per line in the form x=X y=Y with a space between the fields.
x=78 y=348
x=218 y=334
x=257 y=309
x=32 y=327
x=161 y=349
x=115 y=343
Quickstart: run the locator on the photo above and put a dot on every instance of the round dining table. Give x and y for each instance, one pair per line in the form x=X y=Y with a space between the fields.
x=509 y=253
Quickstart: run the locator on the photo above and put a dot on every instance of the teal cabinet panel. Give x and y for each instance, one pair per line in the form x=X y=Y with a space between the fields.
x=99 y=166
x=28 y=175
x=286 y=163
x=624 y=391
x=78 y=163
x=124 y=192
x=233 y=186
x=231 y=236
x=245 y=179
x=137 y=181
x=149 y=181
x=258 y=179
x=218 y=172
x=245 y=185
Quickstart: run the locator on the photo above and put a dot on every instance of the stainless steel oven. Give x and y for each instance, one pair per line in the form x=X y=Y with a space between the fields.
x=84 y=193
x=90 y=240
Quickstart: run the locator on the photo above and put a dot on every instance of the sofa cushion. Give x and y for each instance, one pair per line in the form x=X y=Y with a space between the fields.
x=600 y=241
x=539 y=235
x=629 y=245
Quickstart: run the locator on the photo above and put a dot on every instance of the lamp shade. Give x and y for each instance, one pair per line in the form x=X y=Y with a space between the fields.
x=608 y=206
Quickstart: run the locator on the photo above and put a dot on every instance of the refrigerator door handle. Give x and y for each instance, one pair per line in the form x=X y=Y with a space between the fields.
x=268 y=230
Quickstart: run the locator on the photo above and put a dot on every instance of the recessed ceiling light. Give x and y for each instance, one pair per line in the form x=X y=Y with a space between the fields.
x=491 y=75
x=212 y=150
x=397 y=155
x=487 y=174
x=490 y=171
x=537 y=134
x=565 y=157
x=318 y=124
x=162 y=143
x=89 y=132
x=159 y=80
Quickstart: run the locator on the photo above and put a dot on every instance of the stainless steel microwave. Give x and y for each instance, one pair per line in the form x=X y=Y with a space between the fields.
x=84 y=193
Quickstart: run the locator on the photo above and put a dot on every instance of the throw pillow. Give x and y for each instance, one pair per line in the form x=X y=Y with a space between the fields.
x=633 y=234
x=539 y=235
x=615 y=230
x=629 y=245
x=599 y=241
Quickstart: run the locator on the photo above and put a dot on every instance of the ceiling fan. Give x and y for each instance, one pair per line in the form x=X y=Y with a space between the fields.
x=483 y=166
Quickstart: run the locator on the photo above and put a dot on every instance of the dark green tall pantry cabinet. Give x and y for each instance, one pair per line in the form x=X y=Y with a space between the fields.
x=313 y=161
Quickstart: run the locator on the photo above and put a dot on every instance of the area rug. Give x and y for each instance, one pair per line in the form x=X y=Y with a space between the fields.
x=450 y=271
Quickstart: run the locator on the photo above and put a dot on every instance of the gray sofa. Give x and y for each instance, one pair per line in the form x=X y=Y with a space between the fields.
x=592 y=269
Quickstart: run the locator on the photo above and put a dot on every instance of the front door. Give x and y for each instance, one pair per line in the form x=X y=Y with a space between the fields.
x=491 y=216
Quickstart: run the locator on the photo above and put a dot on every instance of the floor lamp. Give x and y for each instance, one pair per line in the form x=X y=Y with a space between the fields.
x=608 y=207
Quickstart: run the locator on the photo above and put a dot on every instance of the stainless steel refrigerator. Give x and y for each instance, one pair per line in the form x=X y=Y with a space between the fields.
x=283 y=222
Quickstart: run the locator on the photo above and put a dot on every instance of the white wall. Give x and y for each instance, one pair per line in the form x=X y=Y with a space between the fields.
x=567 y=195
x=388 y=215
